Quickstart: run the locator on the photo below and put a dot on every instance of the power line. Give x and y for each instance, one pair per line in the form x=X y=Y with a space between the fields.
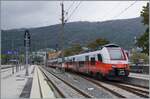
x=73 y=12
x=125 y=9
x=67 y=10
x=112 y=9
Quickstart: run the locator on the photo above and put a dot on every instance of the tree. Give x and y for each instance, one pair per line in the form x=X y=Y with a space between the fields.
x=136 y=57
x=145 y=14
x=98 y=42
x=5 y=58
x=143 y=41
x=75 y=49
x=67 y=52
x=22 y=58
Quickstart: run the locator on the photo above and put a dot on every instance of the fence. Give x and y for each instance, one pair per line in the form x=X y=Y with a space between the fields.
x=140 y=68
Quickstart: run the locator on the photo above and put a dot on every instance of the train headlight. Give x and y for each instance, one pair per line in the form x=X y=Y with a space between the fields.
x=113 y=66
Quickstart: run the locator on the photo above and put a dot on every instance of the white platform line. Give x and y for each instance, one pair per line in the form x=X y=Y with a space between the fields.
x=35 y=91
x=46 y=90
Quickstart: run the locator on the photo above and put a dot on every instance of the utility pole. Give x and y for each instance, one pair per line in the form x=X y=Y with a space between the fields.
x=62 y=35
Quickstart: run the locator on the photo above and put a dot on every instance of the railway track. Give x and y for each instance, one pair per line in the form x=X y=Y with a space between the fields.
x=133 y=89
x=106 y=88
x=141 y=92
x=120 y=90
x=54 y=88
x=135 y=85
x=61 y=93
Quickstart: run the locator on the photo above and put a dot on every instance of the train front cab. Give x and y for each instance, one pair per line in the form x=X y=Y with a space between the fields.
x=113 y=63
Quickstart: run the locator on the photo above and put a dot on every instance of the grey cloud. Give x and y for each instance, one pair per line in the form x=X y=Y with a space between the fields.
x=20 y=14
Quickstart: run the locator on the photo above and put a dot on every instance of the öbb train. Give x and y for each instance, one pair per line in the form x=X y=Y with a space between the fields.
x=111 y=61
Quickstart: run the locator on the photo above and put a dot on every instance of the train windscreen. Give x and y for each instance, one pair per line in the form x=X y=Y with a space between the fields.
x=116 y=54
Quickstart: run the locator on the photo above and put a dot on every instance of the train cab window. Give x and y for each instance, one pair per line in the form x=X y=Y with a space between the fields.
x=99 y=56
x=93 y=61
x=86 y=58
x=116 y=54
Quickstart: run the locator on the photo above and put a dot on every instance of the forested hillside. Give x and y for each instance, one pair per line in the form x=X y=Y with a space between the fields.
x=121 y=32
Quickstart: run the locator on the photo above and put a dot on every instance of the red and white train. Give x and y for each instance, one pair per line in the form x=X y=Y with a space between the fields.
x=110 y=62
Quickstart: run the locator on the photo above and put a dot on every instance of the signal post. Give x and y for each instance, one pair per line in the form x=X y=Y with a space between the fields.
x=27 y=46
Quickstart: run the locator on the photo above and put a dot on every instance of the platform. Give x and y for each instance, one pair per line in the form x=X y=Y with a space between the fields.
x=140 y=76
x=35 y=85
x=13 y=84
x=40 y=88
x=17 y=85
x=138 y=79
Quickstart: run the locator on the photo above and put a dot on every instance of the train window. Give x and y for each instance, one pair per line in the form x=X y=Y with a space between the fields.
x=81 y=63
x=93 y=61
x=70 y=62
x=73 y=58
x=99 y=56
x=86 y=58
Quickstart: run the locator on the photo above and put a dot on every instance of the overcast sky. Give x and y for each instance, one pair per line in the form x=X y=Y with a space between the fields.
x=25 y=14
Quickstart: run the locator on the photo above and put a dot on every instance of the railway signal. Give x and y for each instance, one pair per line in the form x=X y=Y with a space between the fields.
x=27 y=46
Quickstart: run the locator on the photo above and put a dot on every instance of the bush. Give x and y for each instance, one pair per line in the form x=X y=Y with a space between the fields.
x=137 y=57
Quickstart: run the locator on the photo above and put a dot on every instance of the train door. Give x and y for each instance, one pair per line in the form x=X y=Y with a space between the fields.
x=100 y=67
x=92 y=64
x=67 y=64
x=82 y=66
x=87 y=63
x=75 y=64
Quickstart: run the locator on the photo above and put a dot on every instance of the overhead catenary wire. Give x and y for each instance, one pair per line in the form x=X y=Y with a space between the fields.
x=71 y=5
x=73 y=12
x=124 y=10
x=116 y=5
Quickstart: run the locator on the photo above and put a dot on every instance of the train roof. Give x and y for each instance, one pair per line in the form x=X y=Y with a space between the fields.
x=90 y=53
x=111 y=45
x=94 y=52
x=84 y=54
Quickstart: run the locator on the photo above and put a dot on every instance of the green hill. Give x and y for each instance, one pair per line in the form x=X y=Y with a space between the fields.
x=121 y=32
